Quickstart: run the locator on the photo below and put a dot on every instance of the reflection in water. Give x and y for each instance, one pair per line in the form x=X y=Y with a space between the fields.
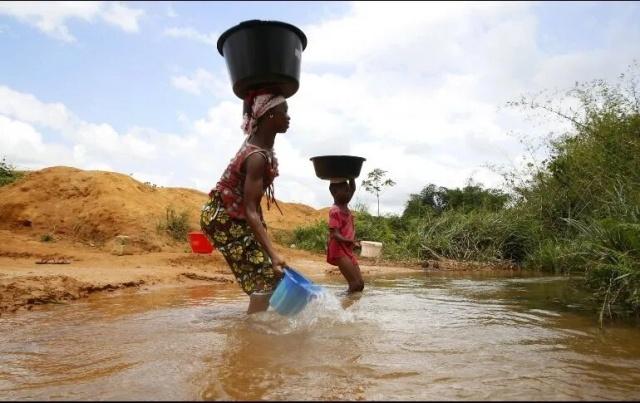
x=495 y=336
x=265 y=353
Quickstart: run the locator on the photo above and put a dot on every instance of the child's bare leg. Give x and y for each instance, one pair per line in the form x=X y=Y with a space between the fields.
x=351 y=273
x=359 y=277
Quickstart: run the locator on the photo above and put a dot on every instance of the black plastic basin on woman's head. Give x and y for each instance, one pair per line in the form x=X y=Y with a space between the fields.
x=337 y=166
x=263 y=54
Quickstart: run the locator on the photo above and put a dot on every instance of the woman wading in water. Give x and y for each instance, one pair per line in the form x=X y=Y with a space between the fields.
x=232 y=218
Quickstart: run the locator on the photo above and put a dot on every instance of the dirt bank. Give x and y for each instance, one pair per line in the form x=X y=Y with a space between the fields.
x=34 y=273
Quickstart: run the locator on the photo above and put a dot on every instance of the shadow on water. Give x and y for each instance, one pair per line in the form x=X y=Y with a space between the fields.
x=427 y=336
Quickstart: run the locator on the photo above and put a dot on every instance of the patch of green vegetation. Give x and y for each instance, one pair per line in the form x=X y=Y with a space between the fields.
x=8 y=173
x=47 y=238
x=174 y=224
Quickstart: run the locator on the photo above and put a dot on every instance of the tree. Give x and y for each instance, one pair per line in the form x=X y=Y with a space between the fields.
x=472 y=197
x=431 y=197
x=475 y=197
x=375 y=182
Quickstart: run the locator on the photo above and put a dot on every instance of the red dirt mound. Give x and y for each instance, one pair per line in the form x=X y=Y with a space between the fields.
x=96 y=206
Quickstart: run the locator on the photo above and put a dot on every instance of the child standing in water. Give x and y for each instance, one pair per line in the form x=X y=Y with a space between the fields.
x=342 y=234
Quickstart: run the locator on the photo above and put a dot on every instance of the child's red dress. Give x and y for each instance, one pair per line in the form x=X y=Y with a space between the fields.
x=342 y=220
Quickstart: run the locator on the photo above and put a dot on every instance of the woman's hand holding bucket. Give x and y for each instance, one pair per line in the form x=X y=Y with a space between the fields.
x=278 y=265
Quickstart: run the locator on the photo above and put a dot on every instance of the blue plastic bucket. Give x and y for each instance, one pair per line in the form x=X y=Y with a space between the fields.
x=293 y=293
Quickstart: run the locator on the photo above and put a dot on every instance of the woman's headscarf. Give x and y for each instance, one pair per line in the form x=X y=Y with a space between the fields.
x=256 y=104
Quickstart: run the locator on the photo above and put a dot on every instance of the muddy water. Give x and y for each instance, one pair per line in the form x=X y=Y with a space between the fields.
x=423 y=336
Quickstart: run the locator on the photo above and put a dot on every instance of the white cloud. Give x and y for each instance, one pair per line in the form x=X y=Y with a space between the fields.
x=121 y=16
x=385 y=31
x=27 y=108
x=52 y=17
x=202 y=81
x=210 y=39
x=92 y=144
x=17 y=135
x=171 y=13
x=22 y=143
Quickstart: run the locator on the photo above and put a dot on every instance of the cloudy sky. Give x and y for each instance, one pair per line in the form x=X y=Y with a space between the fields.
x=418 y=89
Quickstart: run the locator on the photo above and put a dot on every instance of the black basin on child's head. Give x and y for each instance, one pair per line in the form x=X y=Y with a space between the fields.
x=263 y=55
x=337 y=166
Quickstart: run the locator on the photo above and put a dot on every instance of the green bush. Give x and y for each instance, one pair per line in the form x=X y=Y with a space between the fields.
x=400 y=241
x=8 y=173
x=176 y=225
x=311 y=237
x=46 y=238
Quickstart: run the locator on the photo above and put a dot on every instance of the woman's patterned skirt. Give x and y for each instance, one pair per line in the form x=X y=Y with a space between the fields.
x=234 y=238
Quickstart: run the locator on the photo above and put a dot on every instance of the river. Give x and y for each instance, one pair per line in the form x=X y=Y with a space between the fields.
x=423 y=336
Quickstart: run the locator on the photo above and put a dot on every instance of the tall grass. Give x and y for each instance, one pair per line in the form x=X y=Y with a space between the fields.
x=479 y=235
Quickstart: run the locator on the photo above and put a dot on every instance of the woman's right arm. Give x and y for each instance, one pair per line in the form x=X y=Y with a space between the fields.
x=253 y=189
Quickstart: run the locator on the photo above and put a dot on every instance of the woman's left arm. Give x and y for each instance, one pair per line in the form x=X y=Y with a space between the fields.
x=253 y=190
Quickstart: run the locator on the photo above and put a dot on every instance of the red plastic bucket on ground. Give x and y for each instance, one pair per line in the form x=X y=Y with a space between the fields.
x=199 y=242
